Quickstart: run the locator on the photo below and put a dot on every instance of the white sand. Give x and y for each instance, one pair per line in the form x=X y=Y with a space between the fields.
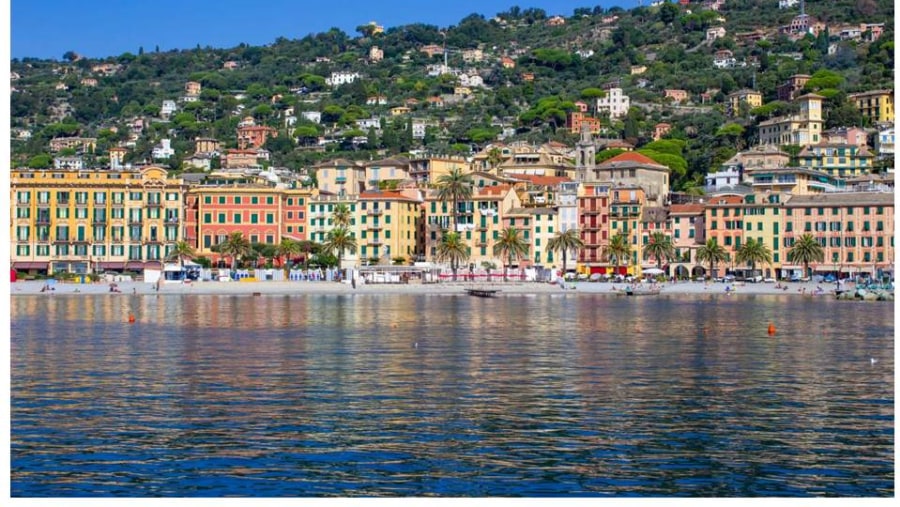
x=20 y=288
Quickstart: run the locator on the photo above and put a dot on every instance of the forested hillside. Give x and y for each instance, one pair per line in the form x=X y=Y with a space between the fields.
x=553 y=65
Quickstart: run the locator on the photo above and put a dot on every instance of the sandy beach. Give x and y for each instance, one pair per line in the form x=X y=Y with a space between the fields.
x=36 y=288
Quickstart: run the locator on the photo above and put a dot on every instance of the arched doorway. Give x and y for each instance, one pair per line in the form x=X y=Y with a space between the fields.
x=698 y=272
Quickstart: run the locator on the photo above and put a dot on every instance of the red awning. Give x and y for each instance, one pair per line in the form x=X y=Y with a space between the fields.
x=30 y=265
x=153 y=265
x=111 y=265
x=134 y=265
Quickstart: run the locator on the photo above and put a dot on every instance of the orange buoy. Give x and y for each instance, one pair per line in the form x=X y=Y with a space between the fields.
x=771 y=329
x=131 y=318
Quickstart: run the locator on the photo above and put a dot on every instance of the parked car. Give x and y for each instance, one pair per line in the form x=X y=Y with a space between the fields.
x=768 y=280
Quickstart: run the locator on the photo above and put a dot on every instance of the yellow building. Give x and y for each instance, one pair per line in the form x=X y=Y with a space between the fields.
x=763 y=221
x=341 y=177
x=94 y=220
x=388 y=226
x=877 y=106
x=428 y=170
x=801 y=129
x=480 y=221
x=743 y=101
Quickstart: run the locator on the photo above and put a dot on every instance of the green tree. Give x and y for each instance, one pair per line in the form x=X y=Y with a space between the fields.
x=660 y=247
x=341 y=215
x=713 y=253
x=454 y=186
x=182 y=250
x=235 y=246
x=339 y=240
x=511 y=246
x=564 y=242
x=806 y=250
x=40 y=161
x=286 y=249
x=753 y=252
x=618 y=251
x=452 y=248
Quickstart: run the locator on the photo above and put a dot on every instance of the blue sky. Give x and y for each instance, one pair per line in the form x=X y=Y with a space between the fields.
x=99 y=28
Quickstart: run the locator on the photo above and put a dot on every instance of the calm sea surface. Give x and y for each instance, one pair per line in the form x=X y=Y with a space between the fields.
x=399 y=395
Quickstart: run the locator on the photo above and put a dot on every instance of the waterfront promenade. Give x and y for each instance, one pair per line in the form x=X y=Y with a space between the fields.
x=21 y=288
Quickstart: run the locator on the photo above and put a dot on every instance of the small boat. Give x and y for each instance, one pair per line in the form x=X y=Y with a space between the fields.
x=639 y=292
x=483 y=293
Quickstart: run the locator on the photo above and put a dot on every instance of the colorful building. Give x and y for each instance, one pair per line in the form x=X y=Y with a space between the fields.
x=94 y=220
x=389 y=224
x=877 y=105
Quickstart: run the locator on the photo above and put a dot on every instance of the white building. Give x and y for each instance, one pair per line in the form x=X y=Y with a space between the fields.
x=341 y=78
x=313 y=116
x=471 y=80
x=168 y=108
x=369 y=123
x=787 y=4
x=884 y=143
x=728 y=175
x=76 y=163
x=616 y=102
x=163 y=150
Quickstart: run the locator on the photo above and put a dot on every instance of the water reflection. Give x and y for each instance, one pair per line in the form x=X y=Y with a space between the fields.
x=449 y=395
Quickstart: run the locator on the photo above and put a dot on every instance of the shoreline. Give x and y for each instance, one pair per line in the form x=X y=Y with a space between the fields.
x=34 y=288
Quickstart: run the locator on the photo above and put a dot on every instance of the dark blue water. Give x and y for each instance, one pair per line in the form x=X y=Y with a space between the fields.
x=364 y=395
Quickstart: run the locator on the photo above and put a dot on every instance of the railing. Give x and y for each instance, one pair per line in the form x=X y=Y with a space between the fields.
x=375 y=212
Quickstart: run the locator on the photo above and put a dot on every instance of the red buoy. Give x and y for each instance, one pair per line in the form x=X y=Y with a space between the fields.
x=131 y=318
x=771 y=329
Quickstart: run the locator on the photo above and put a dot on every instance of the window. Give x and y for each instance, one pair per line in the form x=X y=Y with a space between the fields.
x=207 y=199
x=237 y=199
x=237 y=218
x=221 y=218
x=221 y=199
x=270 y=218
x=255 y=200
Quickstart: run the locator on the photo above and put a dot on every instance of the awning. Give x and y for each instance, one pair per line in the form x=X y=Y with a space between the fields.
x=29 y=265
x=111 y=265
x=153 y=265
x=134 y=265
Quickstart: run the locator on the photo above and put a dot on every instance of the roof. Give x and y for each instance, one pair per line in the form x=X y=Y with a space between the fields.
x=842 y=199
x=689 y=209
x=385 y=196
x=631 y=159
x=535 y=179
x=654 y=214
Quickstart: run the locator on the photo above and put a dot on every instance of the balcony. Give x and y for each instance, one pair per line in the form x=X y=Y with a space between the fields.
x=135 y=221
x=118 y=204
x=42 y=221
x=374 y=227
x=154 y=204
x=61 y=240
x=588 y=211
x=172 y=221
x=375 y=212
x=81 y=204
x=376 y=242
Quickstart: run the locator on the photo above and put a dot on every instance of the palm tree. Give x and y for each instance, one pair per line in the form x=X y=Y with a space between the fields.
x=805 y=250
x=563 y=242
x=713 y=253
x=618 y=250
x=494 y=157
x=452 y=248
x=340 y=239
x=286 y=249
x=752 y=252
x=660 y=248
x=181 y=251
x=341 y=215
x=236 y=247
x=454 y=186
x=511 y=246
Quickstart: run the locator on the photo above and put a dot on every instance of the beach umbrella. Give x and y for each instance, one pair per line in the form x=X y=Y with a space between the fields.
x=653 y=271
